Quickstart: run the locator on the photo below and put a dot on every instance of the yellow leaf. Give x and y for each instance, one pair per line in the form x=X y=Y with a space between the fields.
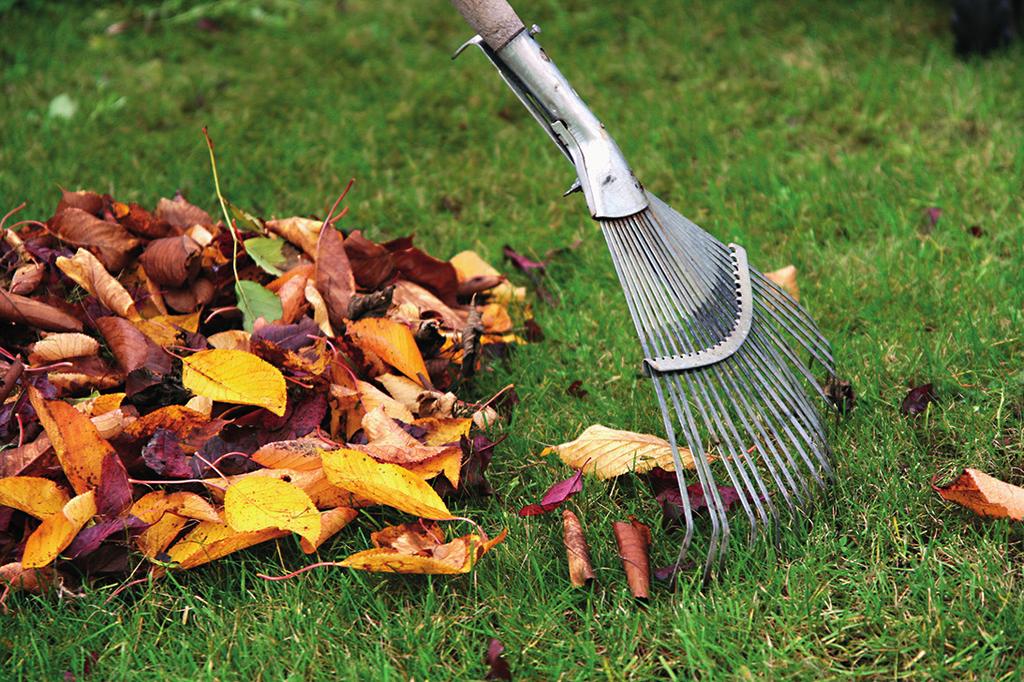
x=392 y=342
x=387 y=484
x=234 y=376
x=496 y=319
x=257 y=503
x=609 y=452
x=168 y=513
x=331 y=521
x=38 y=497
x=106 y=403
x=78 y=444
x=444 y=430
x=210 y=541
x=163 y=330
x=468 y=264
x=56 y=532
x=88 y=272
x=457 y=556
x=448 y=462
x=786 y=278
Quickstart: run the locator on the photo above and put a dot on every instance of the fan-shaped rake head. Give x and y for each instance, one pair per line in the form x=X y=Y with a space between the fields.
x=722 y=344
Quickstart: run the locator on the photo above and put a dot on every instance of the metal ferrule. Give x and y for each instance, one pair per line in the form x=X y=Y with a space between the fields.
x=608 y=183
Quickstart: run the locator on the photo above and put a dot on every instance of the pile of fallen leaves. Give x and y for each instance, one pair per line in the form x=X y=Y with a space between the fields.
x=177 y=388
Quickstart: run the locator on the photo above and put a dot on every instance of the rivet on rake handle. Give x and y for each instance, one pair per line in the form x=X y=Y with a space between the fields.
x=722 y=343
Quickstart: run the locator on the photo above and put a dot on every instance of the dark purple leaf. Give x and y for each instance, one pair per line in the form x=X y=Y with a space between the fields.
x=840 y=393
x=88 y=541
x=165 y=456
x=666 y=491
x=114 y=493
x=555 y=496
x=932 y=215
x=521 y=262
x=497 y=666
x=976 y=231
x=917 y=399
x=668 y=573
x=534 y=334
x=476 y=456
x=288 y=336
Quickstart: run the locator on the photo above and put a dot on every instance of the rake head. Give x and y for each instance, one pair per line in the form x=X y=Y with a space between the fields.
x=721 y=344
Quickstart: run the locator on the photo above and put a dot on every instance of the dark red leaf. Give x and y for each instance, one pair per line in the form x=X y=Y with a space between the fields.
x=666 y=492
x=89 y=540
x=556 y=495
x=976 y=231
x=114 y=493
x=521 y=262
x=371 y=263
x=497 y=666
x=917 y=399
x=438 y=276
x=576 y=389
x=534 y=334
x=287 y=336
x=841 y=394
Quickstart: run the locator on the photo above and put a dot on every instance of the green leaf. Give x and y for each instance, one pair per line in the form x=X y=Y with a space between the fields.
x=266 y=253
x=255 y=302
x=245 y=221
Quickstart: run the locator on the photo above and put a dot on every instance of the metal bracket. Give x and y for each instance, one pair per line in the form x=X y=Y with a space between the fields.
x=731 y=343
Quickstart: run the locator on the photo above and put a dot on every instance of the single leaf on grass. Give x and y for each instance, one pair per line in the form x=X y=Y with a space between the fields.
x=387 y=484
x=87 y=271
x=234 y=376
x=38 y=497
x=917 y=399
x=392 y=342
x=555 y=495
x=497 y=666
x=75 y=439
x=786 y=279
x=266 y=253
x=665 y=487
x=255 y=302
x=576 y=549
x=985 y=495
x=331 y=521
x=633 y=539
x=257 y=503
x=210 y=541
x=417 y=548
x=56 y=532
x=333 y=274
x=609 y=452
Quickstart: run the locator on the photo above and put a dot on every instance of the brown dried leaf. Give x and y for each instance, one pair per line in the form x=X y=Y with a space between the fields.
x=112 y=242
x=302 y=232
x=171 y=261
x=181 y=214
x=333 y=274
x=371 y=263
x=633 y=539
x=408 y=293
x=32 y=313
x=26 y=278
x=576 y=549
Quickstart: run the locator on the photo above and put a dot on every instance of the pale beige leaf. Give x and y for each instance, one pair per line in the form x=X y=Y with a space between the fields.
x=86 y=270
x=609 y=452
x=371 y=398
x=61 y=346
x=786 y=278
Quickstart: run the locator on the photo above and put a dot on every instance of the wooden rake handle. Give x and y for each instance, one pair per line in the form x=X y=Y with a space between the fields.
x=495 y=20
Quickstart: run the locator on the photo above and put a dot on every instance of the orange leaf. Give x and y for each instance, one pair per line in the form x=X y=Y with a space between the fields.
x=985 y=495
x=79 y=446
x=786 y=279
x=56 y=532
x=392 y=342
x=387 y=484
x=257 y=503
x=168 y=513
x=418 y=557
x=34 y=580
x=38 y=497
x=331 y=521
x=234 y=376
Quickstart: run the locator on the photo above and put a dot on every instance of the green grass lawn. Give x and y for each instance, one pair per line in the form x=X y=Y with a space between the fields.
x=813 y=133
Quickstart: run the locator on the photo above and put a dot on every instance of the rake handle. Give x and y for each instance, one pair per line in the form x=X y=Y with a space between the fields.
x=495 y=20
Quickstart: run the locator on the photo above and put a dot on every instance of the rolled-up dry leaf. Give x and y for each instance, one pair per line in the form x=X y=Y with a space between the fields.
x=36 y=314
x=171 y=261
x=633 y=539
x=576 y=550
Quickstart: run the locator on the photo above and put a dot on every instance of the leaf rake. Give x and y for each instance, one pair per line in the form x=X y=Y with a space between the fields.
x=721 y=342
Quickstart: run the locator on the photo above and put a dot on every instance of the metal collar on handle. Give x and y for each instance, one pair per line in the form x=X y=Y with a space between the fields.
x=608 y=183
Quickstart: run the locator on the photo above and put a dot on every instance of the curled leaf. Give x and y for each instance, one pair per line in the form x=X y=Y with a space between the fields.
x=576 y=549
x=633 y=539
x=90 y=274
x=406 y=549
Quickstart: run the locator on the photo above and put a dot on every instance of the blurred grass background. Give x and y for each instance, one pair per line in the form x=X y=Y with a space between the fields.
x=816 y=133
